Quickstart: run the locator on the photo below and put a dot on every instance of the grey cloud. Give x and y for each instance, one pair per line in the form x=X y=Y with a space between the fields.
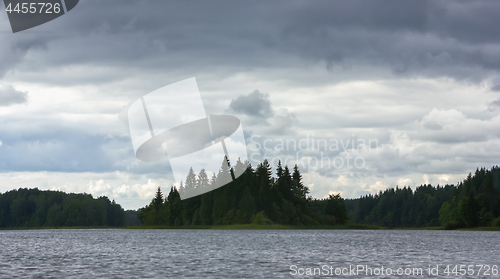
x=495 y=104
x=417 y=38
x=453 y=126
x=13 y=50
x=495 y=88
x=65 y=149
x=433 y=126
x=284 y=123
x=9 y=96
x=254 y=104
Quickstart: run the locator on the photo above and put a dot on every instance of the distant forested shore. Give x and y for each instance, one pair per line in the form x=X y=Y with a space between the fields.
x=474 y=202
x=25 y=208
x=260 y=197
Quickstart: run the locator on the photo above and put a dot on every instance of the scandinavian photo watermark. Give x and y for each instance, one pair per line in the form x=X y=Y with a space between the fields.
x=171 y=124
x=312 y=152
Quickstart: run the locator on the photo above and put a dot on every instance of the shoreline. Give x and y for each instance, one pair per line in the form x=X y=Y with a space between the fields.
x=254 y=227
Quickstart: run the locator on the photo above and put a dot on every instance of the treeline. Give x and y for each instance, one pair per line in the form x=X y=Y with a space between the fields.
x=36 y=208
x=254 y=197
x=473 y=202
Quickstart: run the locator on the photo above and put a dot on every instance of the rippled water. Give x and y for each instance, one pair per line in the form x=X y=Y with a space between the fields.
x=117 y=253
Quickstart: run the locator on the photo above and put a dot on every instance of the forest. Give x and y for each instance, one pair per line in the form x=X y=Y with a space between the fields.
x=36 y=208
x=264 y=196
x=471 y=203
x=257 y=197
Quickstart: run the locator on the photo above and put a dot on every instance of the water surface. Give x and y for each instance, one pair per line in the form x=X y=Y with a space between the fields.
x=118 y=253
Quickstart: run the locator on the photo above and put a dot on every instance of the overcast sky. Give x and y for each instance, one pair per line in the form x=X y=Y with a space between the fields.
x=418 y=80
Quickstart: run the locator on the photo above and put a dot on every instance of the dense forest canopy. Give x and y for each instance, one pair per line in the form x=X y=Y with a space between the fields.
x=36 y=208
x=473 y=202
x=254 y=197
x=260 y=197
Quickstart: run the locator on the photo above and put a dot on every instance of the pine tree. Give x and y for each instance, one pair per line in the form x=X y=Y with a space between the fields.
x=246 y=207
x=239 y=168
x=284 y=182
x=190 y=184
x=174 y=207
x=264 y=173
x=157 y=201
x=203 y=181
x=298 y=187
x=224 y=175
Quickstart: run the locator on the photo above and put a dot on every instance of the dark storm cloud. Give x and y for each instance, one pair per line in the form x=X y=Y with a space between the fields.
x=9 y=96
x=13 y=49
x=411 y=38
x=254 y=104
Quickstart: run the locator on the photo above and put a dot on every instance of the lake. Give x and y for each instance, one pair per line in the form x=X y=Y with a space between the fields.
x=120 y=253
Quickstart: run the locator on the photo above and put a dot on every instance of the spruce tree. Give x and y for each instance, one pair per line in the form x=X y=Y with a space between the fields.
x=157 y=201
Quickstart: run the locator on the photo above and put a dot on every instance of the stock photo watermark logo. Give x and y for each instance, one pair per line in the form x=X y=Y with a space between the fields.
x=313 y=153
x=26 y=14
x=171 y=124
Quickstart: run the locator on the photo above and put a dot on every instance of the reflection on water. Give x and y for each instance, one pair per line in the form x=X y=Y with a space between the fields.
x=116 y=253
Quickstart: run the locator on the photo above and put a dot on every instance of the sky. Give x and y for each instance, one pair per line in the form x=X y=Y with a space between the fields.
x=362 y=95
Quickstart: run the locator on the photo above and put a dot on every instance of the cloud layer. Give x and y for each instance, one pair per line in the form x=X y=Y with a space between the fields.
x=10 y=96
x=254 y=104
x=419 y=78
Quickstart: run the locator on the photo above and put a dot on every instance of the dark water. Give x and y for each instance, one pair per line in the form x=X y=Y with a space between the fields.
x=241 y=254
